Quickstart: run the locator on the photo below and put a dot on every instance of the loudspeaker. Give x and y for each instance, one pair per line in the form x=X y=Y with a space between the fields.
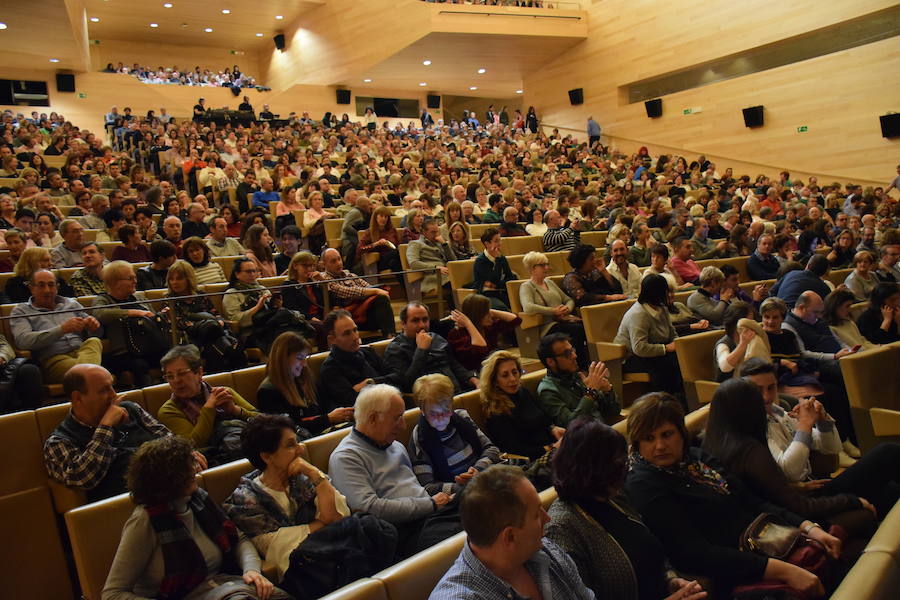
x=343 y=96
x=890 y=125
x=576 y=96
x=65 y=82
x=653 y=108
x=279 y=41
x=753 y=116
x=434 y=101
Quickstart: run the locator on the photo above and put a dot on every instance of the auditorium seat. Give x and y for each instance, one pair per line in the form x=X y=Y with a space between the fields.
x=246 y=381
x=461 y=275
x=333 y=232
x=868 y=387
x=226 y=262
x=695 y=360
x=522 y=244
x=875 y=576
x=95 y=530
x=319 y=448
x=21 y=457
x=220 y=481
x=361 y=589
x=156 y=395
x=597 y=239
x=415 y=577
x=34 y=564
x=528 y=333
x=601 y=323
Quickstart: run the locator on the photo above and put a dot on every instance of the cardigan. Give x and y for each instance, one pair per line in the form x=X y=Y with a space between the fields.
x=645 y=331
x=536 y=300
x=497 y=271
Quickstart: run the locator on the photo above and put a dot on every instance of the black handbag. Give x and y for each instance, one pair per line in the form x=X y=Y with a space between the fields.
x=145 y=337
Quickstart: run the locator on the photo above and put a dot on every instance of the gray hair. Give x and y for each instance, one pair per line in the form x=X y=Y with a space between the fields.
x=711 y=275
x=373 y=399
x=189 y=352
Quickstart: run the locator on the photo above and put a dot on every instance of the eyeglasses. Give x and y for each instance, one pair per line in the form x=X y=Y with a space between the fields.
x=546 y=265
x=568 y=352
x=249 y=270
x=177 y=374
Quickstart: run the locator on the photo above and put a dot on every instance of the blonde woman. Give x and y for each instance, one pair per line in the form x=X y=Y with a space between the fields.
x=288 y=387
x=513 y=418
x=861 y=281
x=31 y=260
x=541 y=296
x=446 y=447
x=314 y=221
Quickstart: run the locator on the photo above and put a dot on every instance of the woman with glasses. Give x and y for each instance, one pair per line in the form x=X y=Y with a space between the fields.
x=513 y=418
x=288 y=387
x=541 y=296
x=446 y=447
x=245 y=296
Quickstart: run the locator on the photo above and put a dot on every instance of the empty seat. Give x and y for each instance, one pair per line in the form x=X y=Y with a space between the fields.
x=695 y=360
x=21 y=457
x=34 y=565
x=246 y=382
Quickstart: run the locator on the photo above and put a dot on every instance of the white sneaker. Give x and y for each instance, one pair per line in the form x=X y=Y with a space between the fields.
x=851 y=450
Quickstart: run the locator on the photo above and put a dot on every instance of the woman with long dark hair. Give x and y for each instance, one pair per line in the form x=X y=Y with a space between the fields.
x=880 y=323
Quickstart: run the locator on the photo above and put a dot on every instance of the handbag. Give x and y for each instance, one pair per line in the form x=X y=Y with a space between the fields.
x=144 y=337
x=768 y=537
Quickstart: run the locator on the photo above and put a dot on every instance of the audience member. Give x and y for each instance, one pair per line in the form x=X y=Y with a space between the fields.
x=838 y=308
x=558 y=237
x=880 y=322
x=478 y=329
x=88 y=280
x=57 y=340
x=491 y=271
x=370 y=305
x=794 y=283
x=589 y=281
x=626 y=273
x=862 y=280
x=446 y=447
x=219 y=242
x=682 y=263
x=373 y=470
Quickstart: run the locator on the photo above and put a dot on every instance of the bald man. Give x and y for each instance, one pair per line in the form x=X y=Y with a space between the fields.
x=91 y=448
x=557 y=237
x=355 y=291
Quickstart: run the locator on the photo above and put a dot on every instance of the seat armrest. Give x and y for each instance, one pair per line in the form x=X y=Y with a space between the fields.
x=885 y=422
x=530 y=320
x=607 y=351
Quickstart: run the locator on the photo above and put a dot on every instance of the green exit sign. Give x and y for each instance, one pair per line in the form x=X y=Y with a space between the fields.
x=82 y=95
x=687 y=111
x=802 y=129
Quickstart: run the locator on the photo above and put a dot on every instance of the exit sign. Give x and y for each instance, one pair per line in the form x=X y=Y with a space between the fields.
x=802 y=129
x=687 y=111
x=82 y=95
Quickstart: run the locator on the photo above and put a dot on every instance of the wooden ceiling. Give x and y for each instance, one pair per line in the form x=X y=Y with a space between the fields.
x=185 y=22
x=455 y=61
x=32 y=37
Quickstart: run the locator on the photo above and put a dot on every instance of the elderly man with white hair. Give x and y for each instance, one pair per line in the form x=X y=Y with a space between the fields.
x=373 y=470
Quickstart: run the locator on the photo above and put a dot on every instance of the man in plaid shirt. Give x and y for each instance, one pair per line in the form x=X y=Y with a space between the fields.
x=91 y=448
x=357 y=296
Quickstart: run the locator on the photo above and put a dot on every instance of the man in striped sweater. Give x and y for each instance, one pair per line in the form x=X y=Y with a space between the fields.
x=557 y=237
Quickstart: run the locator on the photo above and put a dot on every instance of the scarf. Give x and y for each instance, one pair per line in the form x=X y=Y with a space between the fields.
x=185 y=567
x=689 y=468
x=191 y=406
x=431 y=443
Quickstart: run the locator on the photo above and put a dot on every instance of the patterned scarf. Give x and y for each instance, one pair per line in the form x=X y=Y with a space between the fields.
x=185 y=567
x=691 y=468
x=191 y=406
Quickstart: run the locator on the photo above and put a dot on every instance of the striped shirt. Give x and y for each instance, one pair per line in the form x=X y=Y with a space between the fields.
x=560 y=238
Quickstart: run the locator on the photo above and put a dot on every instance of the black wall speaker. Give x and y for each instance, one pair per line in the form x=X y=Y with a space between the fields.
x=576 y=96
x=753 y=116
x=343 y=96
x=653 y=108
x=65 y=82
x=890 y=125
x=279 y=41
x=434 y=101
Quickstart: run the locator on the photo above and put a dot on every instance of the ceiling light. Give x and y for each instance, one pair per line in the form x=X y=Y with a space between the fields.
x=2 y=25
x=481 y=71
x=423 y=84
x=208 y=30
x=259 y=35
x=518 y=91
x=167 y=5
x=225 y=11
x=367 y=81
x=54 y=60
x=95 y=19
x=426 y=62
x=473 y=88
x=278 y=17
x=154 y=25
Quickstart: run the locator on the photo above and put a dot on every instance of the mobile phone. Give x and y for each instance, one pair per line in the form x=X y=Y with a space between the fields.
x=856 y=348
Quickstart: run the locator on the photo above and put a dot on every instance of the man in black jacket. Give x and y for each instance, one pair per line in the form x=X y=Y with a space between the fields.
x=416 y=352
x=349 y=366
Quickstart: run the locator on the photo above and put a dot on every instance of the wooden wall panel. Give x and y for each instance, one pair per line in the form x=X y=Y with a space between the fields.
x=838 y=96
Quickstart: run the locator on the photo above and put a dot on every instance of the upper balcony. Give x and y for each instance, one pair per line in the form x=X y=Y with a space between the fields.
x=556 y=19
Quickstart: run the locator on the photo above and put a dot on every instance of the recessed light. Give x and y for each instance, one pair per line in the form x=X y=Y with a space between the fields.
x=154 y=25
x=481 y=71
x=518 y=91
x=208 y=30
x=367 y=81
x=473 y=88
x=423 y=84
x=225 y=11
x=167 y=5
x=426 y=62
x=54 y=60
x=2 y=25
x=95 y=19
x=259 y=35
x=279 y=17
